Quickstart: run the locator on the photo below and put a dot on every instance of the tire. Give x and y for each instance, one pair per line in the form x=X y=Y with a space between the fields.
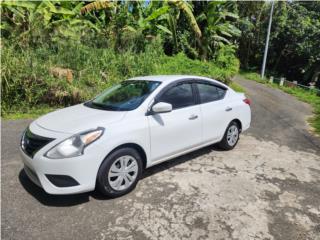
x=229 y=142
x=113 y=179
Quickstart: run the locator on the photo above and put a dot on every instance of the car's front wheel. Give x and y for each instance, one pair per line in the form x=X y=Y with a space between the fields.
x=231 y=136
x=119 y=172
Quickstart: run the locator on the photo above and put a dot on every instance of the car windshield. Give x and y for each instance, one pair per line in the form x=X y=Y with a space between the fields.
x=126 y=96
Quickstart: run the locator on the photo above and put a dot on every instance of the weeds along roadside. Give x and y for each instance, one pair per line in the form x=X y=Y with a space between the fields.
x=30 y=84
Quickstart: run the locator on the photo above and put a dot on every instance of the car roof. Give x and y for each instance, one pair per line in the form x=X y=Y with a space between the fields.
x=170 y=78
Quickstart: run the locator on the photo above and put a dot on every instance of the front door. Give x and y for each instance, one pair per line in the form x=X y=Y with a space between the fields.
x=178 y=130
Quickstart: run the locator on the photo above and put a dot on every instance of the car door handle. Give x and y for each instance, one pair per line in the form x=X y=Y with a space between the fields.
x=228 y=109
x=193 y=116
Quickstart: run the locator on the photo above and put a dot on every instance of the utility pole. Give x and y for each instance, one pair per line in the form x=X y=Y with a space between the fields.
x=267 y=42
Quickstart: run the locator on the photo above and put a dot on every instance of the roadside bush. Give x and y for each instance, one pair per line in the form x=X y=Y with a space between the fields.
x=27 y=81
x=308 y=97
x=226 y=59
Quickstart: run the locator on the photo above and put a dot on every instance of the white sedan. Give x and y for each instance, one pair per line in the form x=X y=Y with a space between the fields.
x=107 y=142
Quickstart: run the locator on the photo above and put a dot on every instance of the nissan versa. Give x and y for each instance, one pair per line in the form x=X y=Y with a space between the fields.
x=107 y=142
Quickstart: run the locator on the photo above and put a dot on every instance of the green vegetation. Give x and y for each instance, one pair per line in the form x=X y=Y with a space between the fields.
x=293 y=50
x=59 y=53
x=237 y=87
x=28 y=82
x=253 y=76
x=30 y=113
x=307 y=96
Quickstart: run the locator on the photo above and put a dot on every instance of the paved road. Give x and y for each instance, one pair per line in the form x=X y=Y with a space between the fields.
x=268 y=187
x=279 y=117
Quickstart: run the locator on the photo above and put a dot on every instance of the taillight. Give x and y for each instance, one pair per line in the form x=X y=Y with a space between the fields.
x=247 y=101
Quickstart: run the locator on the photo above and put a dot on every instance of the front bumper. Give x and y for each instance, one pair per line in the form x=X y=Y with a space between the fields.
x=47 y=173
x=38 y=168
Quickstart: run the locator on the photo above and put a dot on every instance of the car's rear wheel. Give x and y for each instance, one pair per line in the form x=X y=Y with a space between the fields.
x=231 y=136
x=119 y=173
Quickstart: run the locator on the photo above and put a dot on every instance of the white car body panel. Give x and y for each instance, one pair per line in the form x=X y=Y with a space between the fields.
x=75 y=119
x=161 y=136
x=174 y=132
x=214 y=120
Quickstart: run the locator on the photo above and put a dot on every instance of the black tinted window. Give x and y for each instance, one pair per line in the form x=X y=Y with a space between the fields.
x=210 y=93
x=179 y=96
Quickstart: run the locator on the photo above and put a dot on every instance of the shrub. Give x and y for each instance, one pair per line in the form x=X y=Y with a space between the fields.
x=226 y=59
x=27 y=81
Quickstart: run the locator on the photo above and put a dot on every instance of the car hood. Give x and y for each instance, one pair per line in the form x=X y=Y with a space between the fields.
x=78 y=118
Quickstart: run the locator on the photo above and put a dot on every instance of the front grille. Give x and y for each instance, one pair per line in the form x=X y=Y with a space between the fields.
x=32 y=143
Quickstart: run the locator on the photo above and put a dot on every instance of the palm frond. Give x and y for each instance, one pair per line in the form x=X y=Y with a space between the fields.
x=129 y=29
x=185 y=7
x=164 y=29
x=97 y=5
x=158 y=12
x=29 y=5
x=60 y=10
x=231 y=15
x=221 y=39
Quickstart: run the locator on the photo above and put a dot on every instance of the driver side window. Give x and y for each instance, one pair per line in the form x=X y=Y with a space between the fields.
x=179 y=96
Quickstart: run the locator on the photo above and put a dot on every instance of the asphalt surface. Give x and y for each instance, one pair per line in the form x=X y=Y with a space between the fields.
x=268 y=187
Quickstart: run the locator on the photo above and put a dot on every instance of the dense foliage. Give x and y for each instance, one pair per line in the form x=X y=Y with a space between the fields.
x=294 y=50
x=27 y=80
x=101 y=42
x=98 y=44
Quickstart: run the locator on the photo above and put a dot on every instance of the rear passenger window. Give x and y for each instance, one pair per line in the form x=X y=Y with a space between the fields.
x=179 y=96
x=210 y=93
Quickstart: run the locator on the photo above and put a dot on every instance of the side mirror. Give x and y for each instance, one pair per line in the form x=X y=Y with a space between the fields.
x=162 y=107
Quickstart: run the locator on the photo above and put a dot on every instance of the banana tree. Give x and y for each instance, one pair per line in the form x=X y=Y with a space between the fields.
x=162 y=15
x=31 y=19
x=186 y=8
x=219 y=28
x=171 y=17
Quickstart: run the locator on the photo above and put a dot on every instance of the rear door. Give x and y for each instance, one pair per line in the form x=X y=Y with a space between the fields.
x=214 y=110
x=179 y=129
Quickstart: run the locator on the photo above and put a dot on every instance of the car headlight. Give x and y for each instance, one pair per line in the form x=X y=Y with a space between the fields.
x=75 y=145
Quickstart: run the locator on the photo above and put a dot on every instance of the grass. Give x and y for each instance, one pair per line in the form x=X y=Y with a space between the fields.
x=29 y=114
x=237 y=87
x=308 y=97
x=253 y=76
x=300 y=93
x=29 y=88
